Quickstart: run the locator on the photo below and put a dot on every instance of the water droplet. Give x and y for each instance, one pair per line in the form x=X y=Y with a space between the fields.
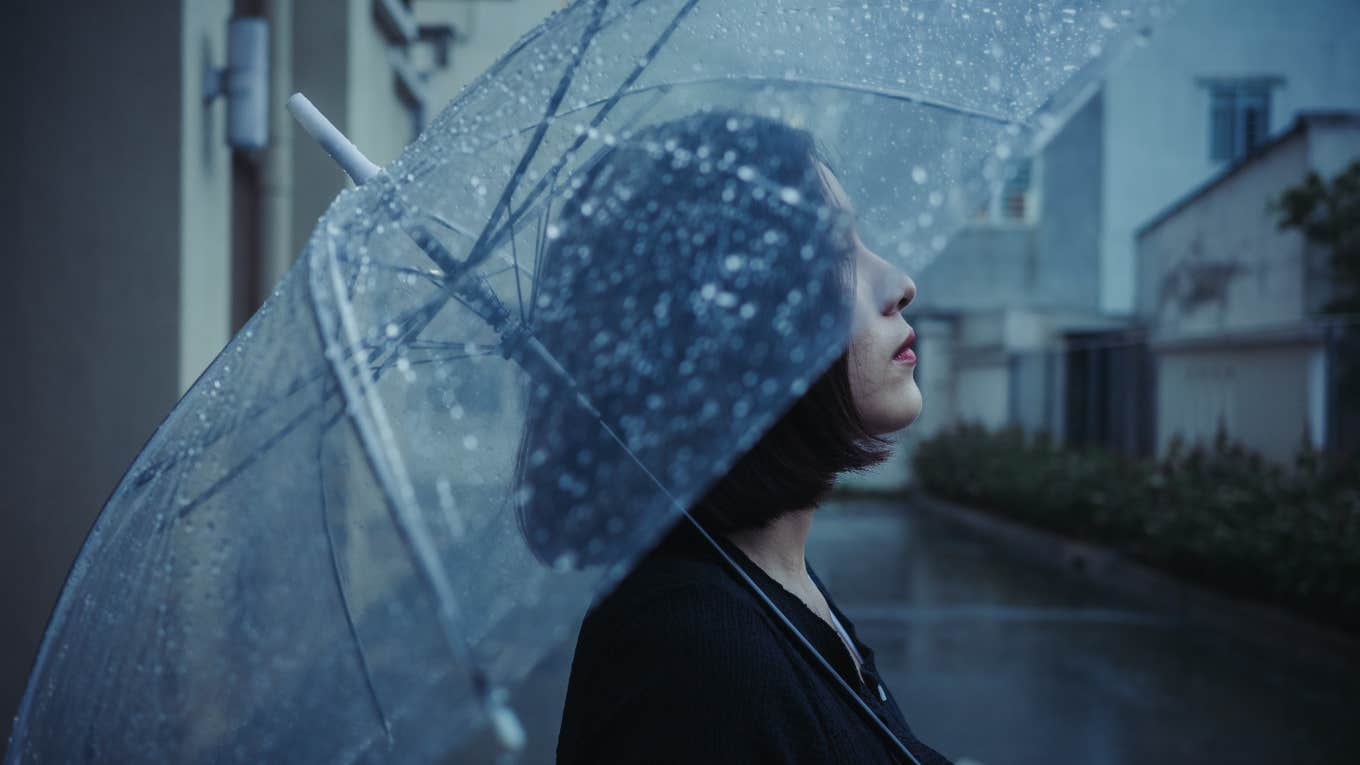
x=919 y=174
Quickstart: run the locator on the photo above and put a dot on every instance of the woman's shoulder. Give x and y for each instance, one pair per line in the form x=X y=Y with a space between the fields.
x=676 y=663
x=678 y=592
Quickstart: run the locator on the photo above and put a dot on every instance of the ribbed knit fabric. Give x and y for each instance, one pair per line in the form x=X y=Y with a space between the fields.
x=681 y=663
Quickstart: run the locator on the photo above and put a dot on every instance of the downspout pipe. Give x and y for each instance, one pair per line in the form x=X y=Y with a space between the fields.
x=276 y=187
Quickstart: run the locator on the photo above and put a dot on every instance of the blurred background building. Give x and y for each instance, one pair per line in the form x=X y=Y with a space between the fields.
x=1234 y=306
x=139 y=240
x=1034 y=315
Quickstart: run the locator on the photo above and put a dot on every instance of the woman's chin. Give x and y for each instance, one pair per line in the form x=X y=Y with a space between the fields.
x=897 y=414
x=911 y=408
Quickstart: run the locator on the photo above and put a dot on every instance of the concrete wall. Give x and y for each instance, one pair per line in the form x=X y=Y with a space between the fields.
x=1333 y=145
x=1067 y=229
x=205 y=195
x=110 y=297
x=490 y=28
x=117 y=212
x=1221 y=263
x=984 y=391
x=1261 y=395
x=985 y=266
x=1156 y=141
x=1230 y=301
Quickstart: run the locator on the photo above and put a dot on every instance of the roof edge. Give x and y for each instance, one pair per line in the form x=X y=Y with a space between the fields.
x=1303 y=121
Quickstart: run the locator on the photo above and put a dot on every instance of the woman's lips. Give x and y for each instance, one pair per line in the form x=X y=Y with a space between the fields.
x=904 y=353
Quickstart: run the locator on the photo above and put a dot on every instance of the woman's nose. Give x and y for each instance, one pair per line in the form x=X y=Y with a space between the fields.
x=904 y=293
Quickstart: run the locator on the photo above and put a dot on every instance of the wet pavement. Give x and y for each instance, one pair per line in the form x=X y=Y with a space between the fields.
x=999 y=661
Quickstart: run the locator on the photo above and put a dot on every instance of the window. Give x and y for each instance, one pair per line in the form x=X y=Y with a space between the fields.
x=1239 y=117
x=1015 y=192
x=1013 y=200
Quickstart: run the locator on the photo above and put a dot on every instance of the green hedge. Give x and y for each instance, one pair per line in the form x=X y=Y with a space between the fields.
x=1221 y=515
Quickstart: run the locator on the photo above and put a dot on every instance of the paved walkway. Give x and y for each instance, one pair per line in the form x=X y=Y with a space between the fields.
x=1000 y=662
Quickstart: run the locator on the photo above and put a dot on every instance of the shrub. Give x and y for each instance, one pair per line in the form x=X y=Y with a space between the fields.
x=1220 y=515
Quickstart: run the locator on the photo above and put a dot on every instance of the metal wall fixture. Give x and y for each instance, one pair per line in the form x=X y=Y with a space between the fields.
x=399 y=25
x=244 y=82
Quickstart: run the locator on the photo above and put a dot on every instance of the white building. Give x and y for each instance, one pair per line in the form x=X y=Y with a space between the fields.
x=1220 y=77
x=1030 y=310
x=1232 y=303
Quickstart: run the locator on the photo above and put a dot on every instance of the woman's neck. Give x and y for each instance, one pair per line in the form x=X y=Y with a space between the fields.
x=779 y=549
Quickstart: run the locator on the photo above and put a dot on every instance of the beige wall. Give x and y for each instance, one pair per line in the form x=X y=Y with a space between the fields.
x=96 y=282
x=1248 y=273
x=1230 y=300
x=490 y=28
x=205 y=195
x=1261 y=395
x=117 y=212
x=983 y=392
x=1156 y=141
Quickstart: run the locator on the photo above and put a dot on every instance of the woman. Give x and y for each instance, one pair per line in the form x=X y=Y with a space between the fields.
x=682 y=662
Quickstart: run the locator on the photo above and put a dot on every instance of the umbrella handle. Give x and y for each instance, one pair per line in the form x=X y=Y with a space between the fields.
x=354 y=163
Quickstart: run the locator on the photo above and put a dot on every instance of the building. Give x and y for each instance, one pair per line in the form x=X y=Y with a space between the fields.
x=1232 y=304
x=138 y=240
x=1028 y=316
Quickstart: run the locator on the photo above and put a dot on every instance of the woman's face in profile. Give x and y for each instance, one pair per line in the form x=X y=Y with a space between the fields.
x=882 y=365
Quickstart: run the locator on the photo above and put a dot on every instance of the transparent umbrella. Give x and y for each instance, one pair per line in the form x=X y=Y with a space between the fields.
x=456 y=421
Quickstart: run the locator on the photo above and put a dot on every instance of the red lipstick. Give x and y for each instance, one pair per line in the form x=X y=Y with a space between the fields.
x=904 y=352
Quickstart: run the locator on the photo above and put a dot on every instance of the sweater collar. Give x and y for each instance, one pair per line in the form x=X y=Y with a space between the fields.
x=820 y=634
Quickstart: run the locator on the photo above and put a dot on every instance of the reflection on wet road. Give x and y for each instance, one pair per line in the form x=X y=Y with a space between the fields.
x=1004 y=663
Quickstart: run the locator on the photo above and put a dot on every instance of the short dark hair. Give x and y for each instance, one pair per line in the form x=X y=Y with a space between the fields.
x=796 y=462
x=658 y=191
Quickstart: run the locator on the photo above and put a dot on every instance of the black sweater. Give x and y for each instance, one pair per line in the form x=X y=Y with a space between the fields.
x=682 y=664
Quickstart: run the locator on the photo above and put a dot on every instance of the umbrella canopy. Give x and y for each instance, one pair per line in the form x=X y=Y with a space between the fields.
x=507 y=362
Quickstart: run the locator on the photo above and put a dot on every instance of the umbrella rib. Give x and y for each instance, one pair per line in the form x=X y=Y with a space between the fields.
x=433 y=277
x=514 y=257
x=255 y=455
x=540 y=253
x=606 y=106
x=490 y=75
x=491 y=236
x=450 y=225
x=311 y=376
x=540 y=131
x=478 y=251
x=850 y=87
x=340 y=583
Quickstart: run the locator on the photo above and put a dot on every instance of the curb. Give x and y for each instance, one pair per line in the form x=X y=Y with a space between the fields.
x=1190 y=604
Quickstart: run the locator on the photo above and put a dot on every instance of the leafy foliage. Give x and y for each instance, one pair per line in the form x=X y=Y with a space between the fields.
x=1328 y=214
x=1219 y=515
